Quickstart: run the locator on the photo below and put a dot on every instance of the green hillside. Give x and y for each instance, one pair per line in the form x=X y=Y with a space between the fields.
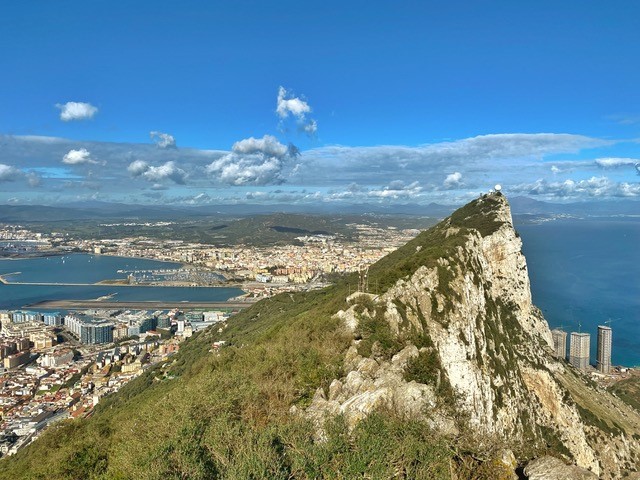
x=232 y=414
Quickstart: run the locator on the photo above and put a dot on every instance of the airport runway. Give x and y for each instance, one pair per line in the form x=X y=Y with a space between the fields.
x=137 y=305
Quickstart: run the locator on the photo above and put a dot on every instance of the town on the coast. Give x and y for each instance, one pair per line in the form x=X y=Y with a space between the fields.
x=261 y=271
x=55 y=366
x=59 y=364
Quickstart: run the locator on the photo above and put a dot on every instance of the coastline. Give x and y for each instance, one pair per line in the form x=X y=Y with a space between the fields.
x=226 y=283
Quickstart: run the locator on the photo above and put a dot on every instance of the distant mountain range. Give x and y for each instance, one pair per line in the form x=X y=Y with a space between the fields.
x=93 y=210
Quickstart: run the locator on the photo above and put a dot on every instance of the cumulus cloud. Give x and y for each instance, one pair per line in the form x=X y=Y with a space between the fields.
x=252 y=161
x=453 y=180
x=137 y=167
x=289 y=105
x=168 y=170
x=163 y=140
x=267 y=145
x=156 y=174
x=349 y=174
x=9 y=173
x=76 y=111
x=78 y=157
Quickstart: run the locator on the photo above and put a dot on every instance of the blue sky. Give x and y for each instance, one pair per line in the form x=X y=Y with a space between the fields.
x=385 y=101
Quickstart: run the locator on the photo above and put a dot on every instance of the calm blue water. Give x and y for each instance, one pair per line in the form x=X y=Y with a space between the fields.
x=588 y=271
x=82 y=268
x=77 y=268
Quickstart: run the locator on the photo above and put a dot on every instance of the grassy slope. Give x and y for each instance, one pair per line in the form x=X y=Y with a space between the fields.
x=228 y=415
x=629 y=391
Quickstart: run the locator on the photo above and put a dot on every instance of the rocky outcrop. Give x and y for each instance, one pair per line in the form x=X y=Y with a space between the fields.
x=551 y=468
x=457 y=339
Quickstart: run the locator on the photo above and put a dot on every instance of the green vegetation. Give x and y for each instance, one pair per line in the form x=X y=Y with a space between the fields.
x=228 y=414
x=591 y=418
x=554 y=444
x=479 y=215
x=223 y=230
x=376 y=335
x=628 y=390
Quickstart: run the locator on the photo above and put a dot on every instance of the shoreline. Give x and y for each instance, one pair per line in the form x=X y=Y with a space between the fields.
x=226 y=283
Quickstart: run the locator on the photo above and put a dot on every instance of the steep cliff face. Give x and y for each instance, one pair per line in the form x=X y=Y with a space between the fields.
x=457 y=341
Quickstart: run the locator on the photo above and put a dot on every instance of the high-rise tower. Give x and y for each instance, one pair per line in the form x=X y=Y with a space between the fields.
x=579 y=350
x=604 y=349
x=559 y=342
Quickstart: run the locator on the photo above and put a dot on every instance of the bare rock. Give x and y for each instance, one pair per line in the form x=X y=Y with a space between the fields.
x=551 y=468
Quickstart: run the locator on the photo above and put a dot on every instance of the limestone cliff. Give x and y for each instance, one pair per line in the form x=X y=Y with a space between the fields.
x=452 y=336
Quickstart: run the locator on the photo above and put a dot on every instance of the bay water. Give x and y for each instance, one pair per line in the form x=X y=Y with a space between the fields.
x=587 y=271
x=88 y=269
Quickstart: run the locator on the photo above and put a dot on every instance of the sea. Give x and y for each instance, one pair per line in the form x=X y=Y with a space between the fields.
x=83 y=270
x=585 y=273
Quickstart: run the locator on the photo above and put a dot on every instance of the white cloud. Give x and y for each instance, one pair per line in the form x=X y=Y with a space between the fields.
x=247 y=170
x=288 y=104
x=453 y=180
x=78 y=157
x=555 y=169
x=76 y=111
x=252 y=161
x=509 y=159
x=9 y=173
x=592 y=187
x=163 y=140
x=311 y=127
x=614 y=162
x=166 y=171
x=137 y=167
x=267 y=145
x=395 y=190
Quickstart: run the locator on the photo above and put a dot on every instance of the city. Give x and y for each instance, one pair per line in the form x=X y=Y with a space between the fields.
x=58 y=365
x=55 y=367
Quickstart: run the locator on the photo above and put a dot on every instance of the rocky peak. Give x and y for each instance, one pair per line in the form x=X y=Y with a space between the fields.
x=453 y=338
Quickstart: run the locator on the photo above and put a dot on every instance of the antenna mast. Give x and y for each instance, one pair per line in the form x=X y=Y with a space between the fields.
x=363 y=283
